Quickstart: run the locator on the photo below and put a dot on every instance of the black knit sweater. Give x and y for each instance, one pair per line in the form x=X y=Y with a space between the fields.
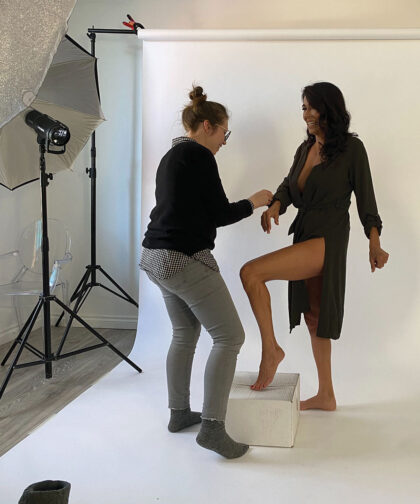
x=190 y=201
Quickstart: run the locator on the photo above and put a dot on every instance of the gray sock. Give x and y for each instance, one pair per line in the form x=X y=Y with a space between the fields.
x=213 y=436
x=180 y=419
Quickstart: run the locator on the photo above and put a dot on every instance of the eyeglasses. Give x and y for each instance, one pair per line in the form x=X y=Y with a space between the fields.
x=227 y=132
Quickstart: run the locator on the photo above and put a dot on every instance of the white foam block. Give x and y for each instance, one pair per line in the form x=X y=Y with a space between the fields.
x=266 y=418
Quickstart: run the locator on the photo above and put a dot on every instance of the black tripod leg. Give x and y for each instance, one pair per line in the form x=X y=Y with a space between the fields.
x=82 y=299
x=47 y=337
x=19 y=337
x=99 y=336
x=77 y=307
x=112 y=291
x=29 y=327
x=74 y=296
x=129 y=298
x=79 y=291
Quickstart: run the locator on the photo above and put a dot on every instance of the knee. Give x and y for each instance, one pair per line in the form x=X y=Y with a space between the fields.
x=239 y=337
x=248 y=276
x=231 y=338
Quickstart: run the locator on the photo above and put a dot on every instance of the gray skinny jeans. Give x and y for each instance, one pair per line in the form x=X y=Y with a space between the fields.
x=194 y=297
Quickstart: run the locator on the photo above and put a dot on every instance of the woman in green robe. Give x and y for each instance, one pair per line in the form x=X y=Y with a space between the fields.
x=328 y=166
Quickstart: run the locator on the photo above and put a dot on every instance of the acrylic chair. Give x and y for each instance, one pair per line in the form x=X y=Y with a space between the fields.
x=26 y=264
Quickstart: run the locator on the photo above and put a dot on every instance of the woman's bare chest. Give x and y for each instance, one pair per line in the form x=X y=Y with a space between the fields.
x=313 y=158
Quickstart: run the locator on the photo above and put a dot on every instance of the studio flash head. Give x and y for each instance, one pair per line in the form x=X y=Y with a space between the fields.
x=49 y=130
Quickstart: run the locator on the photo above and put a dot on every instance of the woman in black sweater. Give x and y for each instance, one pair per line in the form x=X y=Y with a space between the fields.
x=190 y=205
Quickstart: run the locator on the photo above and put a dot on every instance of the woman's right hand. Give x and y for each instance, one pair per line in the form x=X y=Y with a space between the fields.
x=261 y=198
x=271 y=213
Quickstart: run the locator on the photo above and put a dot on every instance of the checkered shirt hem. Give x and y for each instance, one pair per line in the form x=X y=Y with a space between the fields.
x=164 y=264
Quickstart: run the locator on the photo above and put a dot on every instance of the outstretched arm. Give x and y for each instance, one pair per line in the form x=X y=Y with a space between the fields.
x=224 y=212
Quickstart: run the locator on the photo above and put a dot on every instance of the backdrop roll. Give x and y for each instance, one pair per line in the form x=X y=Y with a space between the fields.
x=261 y=85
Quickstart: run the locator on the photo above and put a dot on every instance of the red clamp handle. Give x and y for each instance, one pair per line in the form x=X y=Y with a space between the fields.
x=133 y=25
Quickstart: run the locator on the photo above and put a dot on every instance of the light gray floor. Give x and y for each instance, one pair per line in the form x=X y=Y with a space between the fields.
x=30 y=399
x=111 y=443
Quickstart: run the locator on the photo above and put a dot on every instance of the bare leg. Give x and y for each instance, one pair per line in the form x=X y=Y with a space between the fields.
x=297 y=262
x=272 y=353
x=321 y=348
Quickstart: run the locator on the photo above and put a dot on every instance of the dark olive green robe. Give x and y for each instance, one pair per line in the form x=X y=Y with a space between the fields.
x=323 y=212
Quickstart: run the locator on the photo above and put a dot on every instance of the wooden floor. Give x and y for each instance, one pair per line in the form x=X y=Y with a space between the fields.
x=30 y=399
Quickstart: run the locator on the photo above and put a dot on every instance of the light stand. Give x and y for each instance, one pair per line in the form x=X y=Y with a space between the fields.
x=89 y=279
x=44 y=302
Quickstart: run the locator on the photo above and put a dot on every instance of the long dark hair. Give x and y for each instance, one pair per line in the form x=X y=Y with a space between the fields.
x=334 y=119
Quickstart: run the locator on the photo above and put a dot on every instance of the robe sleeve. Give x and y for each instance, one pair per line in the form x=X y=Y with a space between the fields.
x=283 y=191
x=283 y=195
x=361 y=182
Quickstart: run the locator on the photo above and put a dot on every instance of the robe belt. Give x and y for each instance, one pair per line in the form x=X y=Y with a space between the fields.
x=302 y=210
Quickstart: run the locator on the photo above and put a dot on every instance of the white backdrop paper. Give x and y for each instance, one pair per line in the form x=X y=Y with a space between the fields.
x=261 y=83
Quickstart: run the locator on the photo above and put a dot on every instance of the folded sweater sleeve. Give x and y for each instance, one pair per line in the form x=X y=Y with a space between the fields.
x=283 y=195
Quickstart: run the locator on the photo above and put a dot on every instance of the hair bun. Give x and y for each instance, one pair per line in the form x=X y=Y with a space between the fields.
x=197 y=95
x=200 y=110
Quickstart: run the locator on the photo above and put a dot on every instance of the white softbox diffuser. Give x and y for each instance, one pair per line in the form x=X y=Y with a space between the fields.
x=30 y=31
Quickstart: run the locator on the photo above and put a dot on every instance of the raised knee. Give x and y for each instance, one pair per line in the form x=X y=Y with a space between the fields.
x=244 y=272
x=247 y=275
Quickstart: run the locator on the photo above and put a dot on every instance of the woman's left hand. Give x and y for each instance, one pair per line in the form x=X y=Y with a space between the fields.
x=377 y=257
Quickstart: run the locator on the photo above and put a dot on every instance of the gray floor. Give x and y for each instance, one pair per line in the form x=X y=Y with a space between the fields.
x=30 y=399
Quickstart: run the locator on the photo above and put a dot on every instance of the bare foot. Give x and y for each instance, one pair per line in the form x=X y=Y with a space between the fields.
x=268 y=368
x=322 y=402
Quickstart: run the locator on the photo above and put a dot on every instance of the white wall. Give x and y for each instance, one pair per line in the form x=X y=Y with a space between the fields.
x=261 y=85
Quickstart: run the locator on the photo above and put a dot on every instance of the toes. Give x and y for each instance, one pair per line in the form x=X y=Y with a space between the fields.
x=267 y=383
x=259 y=384
x=256 y=386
